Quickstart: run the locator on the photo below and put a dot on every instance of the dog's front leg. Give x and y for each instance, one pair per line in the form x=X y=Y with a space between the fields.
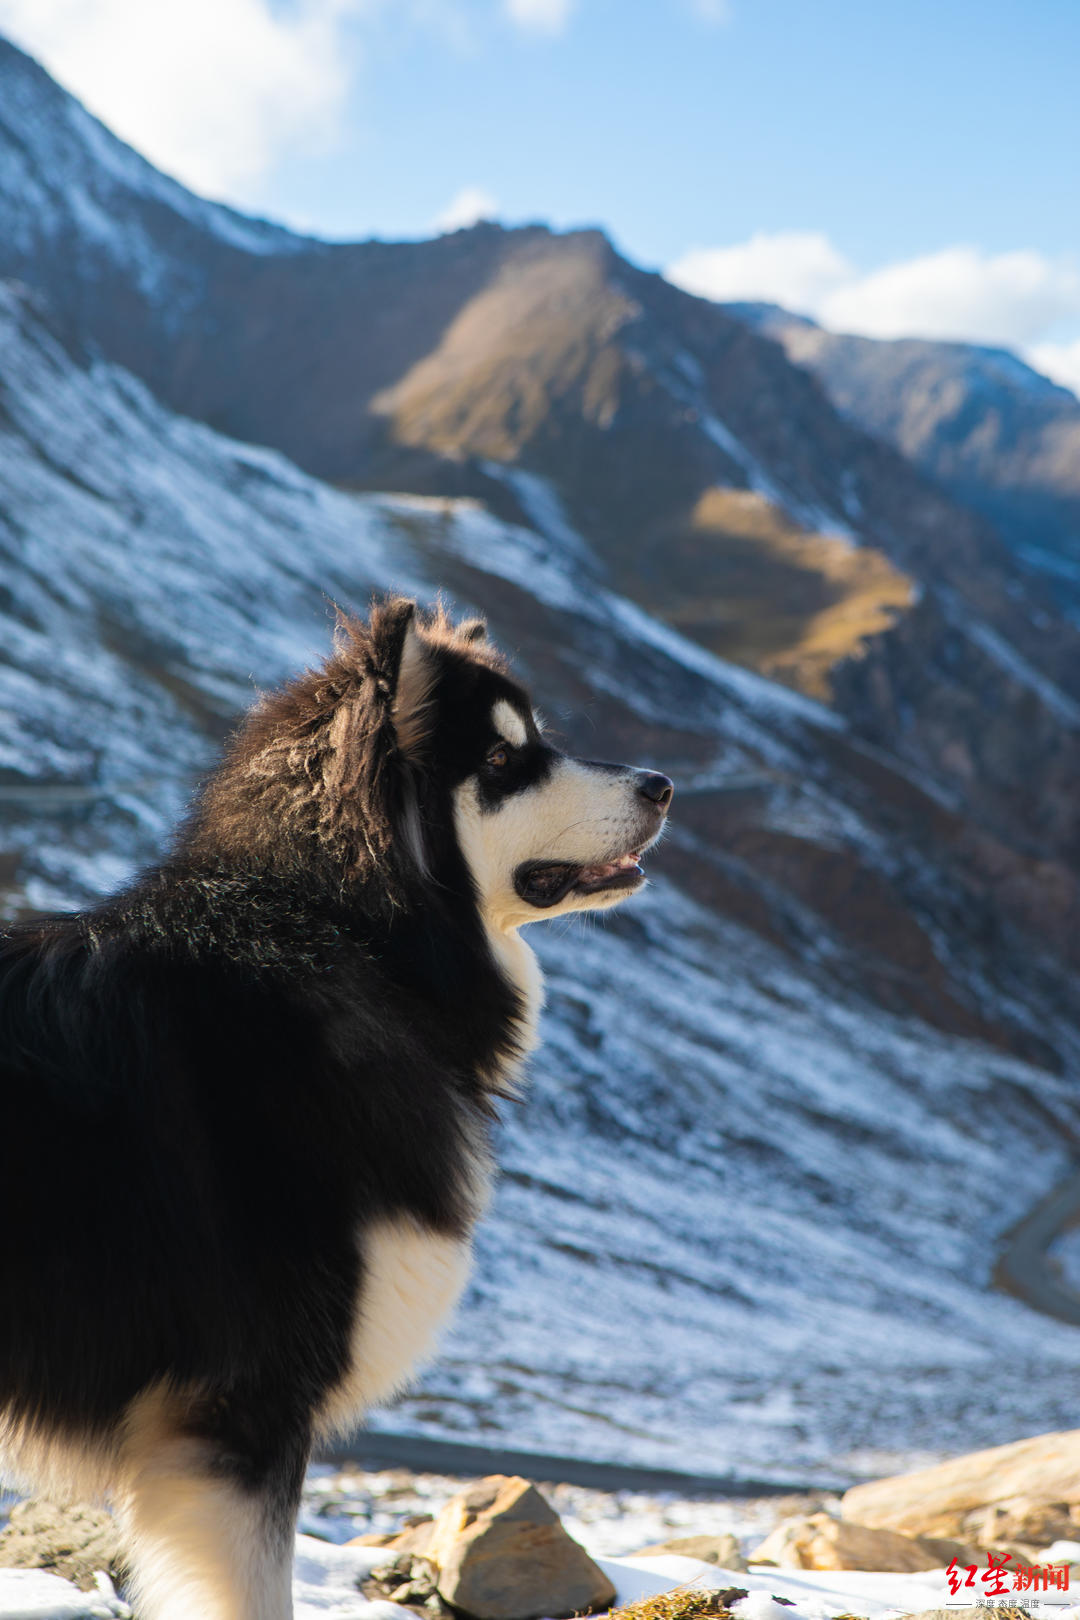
x=209 y=1530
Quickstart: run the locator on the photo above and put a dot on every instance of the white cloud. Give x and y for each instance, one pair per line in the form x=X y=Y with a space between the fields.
x=1010 y=298
x=1058 y=361
x=468 y=207
x=793 y=268
x=540 y=16
x=1014 y=299
x=214 y=91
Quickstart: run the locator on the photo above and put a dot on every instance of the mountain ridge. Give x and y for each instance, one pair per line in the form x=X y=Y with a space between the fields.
x=1000 y=436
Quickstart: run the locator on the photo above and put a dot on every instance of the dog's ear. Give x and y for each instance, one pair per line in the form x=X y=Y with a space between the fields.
x=414 y=708
x=407 y=667
x=410 y=673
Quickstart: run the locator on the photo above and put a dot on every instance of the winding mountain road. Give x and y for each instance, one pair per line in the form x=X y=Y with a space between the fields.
x=1022 y=1268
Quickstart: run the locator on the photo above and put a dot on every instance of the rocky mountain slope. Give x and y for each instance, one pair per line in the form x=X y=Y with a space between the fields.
x=711 y=479
x=787 y=1105
x=1001 y=438
x=792 y=1101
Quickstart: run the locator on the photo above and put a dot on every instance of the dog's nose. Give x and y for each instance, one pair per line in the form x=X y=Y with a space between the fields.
x=659 y=789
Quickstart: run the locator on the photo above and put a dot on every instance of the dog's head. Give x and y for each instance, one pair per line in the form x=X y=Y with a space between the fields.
x=413 y=754
x=541 y=833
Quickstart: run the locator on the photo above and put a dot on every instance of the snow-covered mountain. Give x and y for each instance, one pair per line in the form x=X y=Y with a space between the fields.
x=72 y=191
x=787 y=1104
x=711 y=478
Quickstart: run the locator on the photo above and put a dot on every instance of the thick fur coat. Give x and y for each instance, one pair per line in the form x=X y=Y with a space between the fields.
x=246 y=1103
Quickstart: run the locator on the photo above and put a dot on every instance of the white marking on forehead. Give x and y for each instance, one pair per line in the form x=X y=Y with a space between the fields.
x=509 y=724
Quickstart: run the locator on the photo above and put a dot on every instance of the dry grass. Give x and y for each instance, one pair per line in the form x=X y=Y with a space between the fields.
x=692 y=1603
x=682 y=1603
x=751 y=585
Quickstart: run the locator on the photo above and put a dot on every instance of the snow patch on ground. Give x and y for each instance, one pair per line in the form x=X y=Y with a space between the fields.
x=544 y=509
x=1065 y=1250
x=1026 y=674
x=33 y=1594
x=326 y=1581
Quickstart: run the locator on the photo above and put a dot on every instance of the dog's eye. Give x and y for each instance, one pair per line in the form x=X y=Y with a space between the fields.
x=499 y=757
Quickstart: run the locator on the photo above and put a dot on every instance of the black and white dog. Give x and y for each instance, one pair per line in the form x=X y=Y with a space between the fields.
x=245 y=1105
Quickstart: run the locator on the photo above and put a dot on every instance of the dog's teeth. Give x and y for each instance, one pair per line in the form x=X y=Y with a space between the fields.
x=621 y=863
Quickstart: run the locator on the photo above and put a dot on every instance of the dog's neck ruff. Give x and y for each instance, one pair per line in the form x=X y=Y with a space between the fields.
x=518 y=964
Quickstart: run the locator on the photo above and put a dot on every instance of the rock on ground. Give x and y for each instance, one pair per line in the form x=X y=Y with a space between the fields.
x=818 y=1541
x=1026 y=1492
x=414 y=1537
x=502 y=1554
x=410 y=1580
x=721 y=1550
x=74 y=1542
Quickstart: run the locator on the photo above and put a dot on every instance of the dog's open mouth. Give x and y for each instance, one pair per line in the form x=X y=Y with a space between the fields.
x=545 y=883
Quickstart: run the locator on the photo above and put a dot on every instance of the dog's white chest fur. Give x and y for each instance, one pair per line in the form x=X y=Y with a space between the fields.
x=520 y=966
x=413 y=1278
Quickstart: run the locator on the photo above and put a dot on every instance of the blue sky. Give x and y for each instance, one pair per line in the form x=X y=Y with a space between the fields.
x=893 y=128
x=889 y=168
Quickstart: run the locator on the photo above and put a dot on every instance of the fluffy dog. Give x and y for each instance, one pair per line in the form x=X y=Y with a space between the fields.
x=246 y=1102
